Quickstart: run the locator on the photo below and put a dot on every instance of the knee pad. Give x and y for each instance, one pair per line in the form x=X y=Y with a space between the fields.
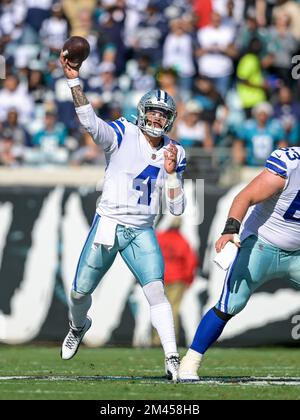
x=155 y=293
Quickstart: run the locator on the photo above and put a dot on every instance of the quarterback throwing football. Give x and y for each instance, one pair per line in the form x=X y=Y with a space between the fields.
x=142 y=161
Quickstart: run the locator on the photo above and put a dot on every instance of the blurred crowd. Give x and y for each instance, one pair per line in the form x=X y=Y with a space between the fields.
x=227 y=63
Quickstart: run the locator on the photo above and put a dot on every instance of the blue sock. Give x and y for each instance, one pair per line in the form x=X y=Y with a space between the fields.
x=209 y=330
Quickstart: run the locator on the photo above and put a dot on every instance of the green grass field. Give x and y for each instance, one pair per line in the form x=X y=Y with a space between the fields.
x=141 y=372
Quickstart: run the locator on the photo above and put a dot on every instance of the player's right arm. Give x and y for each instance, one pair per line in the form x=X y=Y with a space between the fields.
x=101 y=132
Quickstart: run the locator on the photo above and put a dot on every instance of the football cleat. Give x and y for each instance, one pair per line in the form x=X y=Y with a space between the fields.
x=188 y=370
x=73 y=339
x=172 y=363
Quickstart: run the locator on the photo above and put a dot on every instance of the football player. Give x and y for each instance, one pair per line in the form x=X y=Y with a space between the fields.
x=268 y=247
x=141 y=161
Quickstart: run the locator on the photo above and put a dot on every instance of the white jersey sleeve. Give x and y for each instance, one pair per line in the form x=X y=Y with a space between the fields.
x=280 y=163
x=102 y=133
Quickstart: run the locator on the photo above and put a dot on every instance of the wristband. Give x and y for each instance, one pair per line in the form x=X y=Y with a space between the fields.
x=232 y=226
x=73 y=82
x=173 y=182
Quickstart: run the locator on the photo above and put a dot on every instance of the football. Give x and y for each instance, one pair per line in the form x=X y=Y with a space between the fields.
x=76 y=49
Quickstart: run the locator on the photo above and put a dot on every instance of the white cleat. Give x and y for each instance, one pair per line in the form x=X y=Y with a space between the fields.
x=172 y=363
x=188 y=370
x=73 y=339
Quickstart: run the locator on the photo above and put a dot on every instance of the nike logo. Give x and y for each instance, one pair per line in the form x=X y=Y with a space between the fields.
x=279 y=156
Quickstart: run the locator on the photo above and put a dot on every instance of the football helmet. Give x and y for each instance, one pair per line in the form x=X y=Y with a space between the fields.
x=156 y=100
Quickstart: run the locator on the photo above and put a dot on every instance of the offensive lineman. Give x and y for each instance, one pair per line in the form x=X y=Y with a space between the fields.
x=141 y=161
x=269 y=247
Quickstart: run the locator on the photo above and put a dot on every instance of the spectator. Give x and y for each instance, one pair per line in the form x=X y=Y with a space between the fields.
x=13 y=95
x=85 y=23
x=180 y=266
x=251 y=84
x=134 y=11
x=230 y=10
x=19 y=134
x=37 y=12
x=79 y=14
x=151 y=33
x=12 y=15
x=262 y=9
x=258 y=137
x=10 y=153
x=178 y=54
x=50 y=142
x=248 y=32
x=54 y=31
x=104 y=89
x=192 y=130
x=216 y=53
x=291 y=9
x=287 y=111
x=142 y=77
x=284 y=45
x=111 y=36
x=63 y=97
x=36 y=86
x=208 y=98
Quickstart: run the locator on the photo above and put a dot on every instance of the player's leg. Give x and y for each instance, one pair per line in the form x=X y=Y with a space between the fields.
x=93 y=263
x=252 y=267
x=174 y=293
x=144 y=258
x=290 y=264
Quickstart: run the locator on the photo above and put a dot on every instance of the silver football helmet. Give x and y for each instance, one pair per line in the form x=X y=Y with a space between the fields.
x=156 y=100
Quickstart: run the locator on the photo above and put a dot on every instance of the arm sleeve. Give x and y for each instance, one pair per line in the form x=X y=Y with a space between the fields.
x=101 y=132
x=177 y=205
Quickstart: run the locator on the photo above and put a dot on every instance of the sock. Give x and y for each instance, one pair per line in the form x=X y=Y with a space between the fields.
x=79 y=306
x=194 y=355
x=162 y=320
x=190 y=363
x=209 y=330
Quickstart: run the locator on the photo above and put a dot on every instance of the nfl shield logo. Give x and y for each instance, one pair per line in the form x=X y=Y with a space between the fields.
x=153 y=156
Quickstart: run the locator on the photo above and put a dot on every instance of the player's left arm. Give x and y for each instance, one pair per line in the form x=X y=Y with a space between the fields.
x=264 y=186
x=174 y=183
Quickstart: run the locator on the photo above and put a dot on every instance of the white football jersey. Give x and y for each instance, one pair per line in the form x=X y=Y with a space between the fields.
x=135 y=175
x=277 y=220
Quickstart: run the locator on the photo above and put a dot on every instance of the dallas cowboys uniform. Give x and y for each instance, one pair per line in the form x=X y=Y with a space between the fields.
x=133 y=184
x=270 y=237
x=270 y=248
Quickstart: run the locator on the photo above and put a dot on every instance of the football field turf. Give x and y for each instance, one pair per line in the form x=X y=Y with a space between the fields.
x=35 y=372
